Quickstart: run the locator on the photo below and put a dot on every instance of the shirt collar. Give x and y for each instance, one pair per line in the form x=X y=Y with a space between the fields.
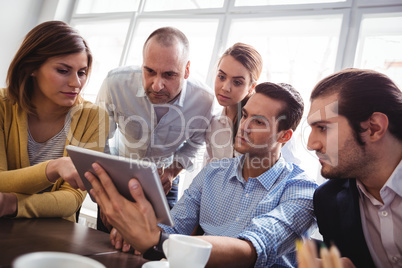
x=394 y=183
x=141 y=91
x=239 y=171
x=179 y=101
x=223 y=119
x=363 y=193
x=268 y=178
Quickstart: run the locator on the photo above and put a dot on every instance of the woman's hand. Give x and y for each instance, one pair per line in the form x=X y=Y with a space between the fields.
x=8 y=204
x=63 y=167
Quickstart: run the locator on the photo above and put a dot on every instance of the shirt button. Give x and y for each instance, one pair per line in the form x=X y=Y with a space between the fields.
x=395 y=259
x=384 y=213
x=237 y=219
x=247 y=195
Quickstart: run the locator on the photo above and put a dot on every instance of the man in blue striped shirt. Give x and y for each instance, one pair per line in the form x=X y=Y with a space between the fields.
x=251 y=208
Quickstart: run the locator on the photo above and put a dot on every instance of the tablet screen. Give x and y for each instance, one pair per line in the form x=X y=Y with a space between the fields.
x=121 y=170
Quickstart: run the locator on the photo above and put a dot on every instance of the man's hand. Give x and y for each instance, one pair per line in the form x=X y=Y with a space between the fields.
x=135 y=221
x=117 y=241
x=307 y=257
x=168 y=174
x=104 y=220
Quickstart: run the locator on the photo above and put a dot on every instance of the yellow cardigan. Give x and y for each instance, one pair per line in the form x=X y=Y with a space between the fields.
x=89 y=128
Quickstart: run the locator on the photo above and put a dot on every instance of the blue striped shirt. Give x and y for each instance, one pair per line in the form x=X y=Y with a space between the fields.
x=271 y=210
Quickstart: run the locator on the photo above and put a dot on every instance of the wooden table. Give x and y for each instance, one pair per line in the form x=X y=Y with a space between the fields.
x=21 y=236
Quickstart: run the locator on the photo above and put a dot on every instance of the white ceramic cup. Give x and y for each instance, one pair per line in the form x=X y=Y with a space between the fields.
x=156 y=264
x=48 y=259
x=183 y=251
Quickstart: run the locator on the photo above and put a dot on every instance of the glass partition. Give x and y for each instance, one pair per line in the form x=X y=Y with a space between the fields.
x=282 y=2
x=200 y=33
x=106 y=41
x=380 y=45
x=164 y=5
x=105 y=6
x=295 y=50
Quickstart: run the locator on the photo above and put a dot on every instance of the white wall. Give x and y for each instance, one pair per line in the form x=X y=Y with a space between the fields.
x=17 y=18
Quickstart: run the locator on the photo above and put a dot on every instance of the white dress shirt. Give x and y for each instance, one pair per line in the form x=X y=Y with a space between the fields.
x=382 y=223
x=137 y=132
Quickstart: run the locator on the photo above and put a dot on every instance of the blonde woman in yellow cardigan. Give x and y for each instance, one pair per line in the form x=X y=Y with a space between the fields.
x=41 y=111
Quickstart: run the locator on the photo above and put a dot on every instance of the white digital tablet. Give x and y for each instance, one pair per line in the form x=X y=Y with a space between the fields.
x=121 y=170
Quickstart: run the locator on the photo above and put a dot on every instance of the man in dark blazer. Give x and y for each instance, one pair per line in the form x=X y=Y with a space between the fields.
x=356 y=120
x=336 y=205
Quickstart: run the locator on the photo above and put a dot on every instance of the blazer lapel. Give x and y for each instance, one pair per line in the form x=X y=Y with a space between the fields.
x=351 y=226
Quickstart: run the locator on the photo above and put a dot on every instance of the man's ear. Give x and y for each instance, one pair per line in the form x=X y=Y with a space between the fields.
x=187 y=70
x=285 y=135
x=376 y=125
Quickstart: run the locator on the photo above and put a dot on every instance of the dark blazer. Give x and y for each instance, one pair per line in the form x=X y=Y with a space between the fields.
x=336 y=206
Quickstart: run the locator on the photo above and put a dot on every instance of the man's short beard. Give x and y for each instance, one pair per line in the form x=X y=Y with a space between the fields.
x=352 y=162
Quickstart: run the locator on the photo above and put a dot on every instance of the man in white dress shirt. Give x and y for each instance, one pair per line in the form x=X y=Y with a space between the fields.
x=156 y=112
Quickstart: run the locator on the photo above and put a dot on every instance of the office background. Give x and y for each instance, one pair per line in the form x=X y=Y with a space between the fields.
x=301 y=41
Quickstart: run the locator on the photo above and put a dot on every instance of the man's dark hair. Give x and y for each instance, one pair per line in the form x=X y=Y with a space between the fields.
x=362 y=93
x=292 y=112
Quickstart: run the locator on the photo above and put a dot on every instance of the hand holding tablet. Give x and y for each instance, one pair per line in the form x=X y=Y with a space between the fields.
x=121 y=170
